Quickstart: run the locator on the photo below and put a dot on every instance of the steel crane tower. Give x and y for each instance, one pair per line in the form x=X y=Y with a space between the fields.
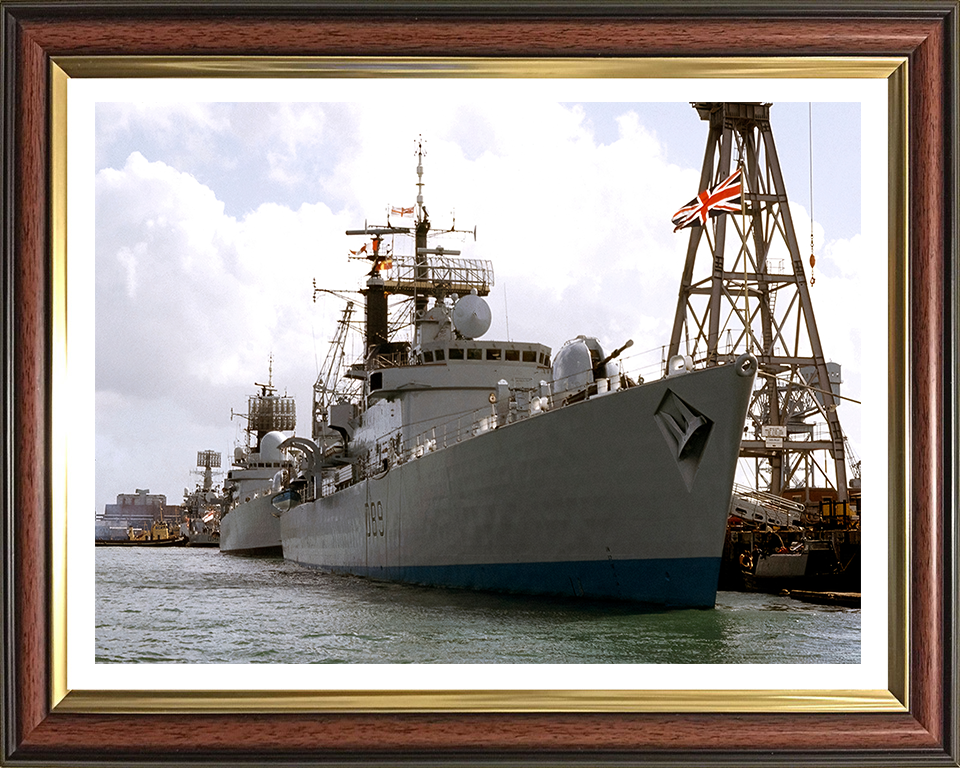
x=328 y=386
x=751 y=294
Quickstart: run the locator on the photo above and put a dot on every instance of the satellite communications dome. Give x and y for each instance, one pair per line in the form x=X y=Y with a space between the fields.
x=471 y=316
x=270 y=445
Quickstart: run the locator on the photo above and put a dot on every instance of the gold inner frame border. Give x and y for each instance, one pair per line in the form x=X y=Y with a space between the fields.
x=892 y=69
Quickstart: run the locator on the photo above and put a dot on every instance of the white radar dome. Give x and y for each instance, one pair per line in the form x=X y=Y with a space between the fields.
x=471 y=316
x=269 y=446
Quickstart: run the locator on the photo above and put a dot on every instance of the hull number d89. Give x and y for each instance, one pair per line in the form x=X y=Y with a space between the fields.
x=373 y=516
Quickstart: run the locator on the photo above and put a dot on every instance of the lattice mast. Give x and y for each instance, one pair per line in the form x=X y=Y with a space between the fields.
x=761 y=304
x=428 y=272
x=208 y=461
x=269 y=412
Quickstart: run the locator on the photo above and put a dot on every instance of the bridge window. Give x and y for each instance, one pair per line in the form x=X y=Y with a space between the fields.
x=529 y=356
x=439 y=356
x=428 y=357
x=493 y=354
x=512 y=355
x=456 y=354
x=474 y=354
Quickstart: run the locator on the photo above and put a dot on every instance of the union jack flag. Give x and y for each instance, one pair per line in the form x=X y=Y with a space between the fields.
x=723 y=198
x=401 y=212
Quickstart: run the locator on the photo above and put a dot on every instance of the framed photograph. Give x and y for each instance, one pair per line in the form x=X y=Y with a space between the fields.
x=57 y=710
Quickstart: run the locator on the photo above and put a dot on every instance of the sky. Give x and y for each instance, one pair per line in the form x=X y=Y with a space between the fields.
x=214 y=218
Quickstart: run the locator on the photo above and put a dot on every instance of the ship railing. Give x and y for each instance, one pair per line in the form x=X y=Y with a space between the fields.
x=389 y=360
x=762 y=507
x=456 y=274
x=631 y=370
x=769 y=499
x=335 y=480
x=392 y=451
x=511 y=406
x=514 y=405
x=439 y=436
x=582 y=386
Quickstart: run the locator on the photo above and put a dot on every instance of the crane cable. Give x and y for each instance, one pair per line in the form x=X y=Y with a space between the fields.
x=813 y=259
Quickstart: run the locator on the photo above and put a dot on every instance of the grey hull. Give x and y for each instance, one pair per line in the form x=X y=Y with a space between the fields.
x=252 y=528
x=623 y=496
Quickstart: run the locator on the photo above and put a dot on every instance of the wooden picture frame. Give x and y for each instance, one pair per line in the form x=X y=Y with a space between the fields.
x=39 y=730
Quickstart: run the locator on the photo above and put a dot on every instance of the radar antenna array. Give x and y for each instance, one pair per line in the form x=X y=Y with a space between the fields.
x=429 y=272
x=208 y=461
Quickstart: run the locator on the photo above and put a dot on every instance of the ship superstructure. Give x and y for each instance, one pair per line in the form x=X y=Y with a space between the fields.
x=464 y=462
x=203 y=506
x=250 y=525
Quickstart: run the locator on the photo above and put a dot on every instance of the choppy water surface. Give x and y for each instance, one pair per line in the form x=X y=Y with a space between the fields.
x=199 y=606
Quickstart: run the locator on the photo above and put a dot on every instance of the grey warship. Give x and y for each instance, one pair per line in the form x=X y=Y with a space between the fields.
x=450 y=460
x=250 y=524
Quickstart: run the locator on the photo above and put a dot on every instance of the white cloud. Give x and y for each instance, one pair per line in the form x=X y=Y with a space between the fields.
x=163 y=117
x=191 y=301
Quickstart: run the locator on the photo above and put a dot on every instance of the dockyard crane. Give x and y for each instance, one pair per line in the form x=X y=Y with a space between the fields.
x=325 y=391
x=754 y=291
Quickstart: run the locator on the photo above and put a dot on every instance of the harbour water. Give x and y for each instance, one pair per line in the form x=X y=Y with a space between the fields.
x=199 y=606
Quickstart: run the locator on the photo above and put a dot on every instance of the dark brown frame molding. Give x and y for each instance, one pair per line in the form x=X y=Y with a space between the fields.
x=925 y=32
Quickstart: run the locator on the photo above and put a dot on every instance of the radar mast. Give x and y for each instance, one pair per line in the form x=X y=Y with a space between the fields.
x=429 y=272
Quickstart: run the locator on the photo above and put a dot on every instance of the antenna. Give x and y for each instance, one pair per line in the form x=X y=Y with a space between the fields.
x=421 y=153
x=506 y=313
x=268 y=387
x=208 y=461
x=428 y=272
x=813 y=259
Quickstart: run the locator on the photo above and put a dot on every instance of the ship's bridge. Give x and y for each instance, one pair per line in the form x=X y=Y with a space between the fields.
x=464 y=364
x=493 y=351
x=449 y=386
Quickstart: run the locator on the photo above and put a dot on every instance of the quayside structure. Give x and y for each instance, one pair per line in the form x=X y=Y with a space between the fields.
x=744 y=289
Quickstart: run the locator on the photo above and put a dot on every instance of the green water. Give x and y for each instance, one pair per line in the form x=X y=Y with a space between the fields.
x=198 y=606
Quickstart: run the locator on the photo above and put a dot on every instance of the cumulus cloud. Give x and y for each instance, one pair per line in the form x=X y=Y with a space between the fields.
x=199 y=284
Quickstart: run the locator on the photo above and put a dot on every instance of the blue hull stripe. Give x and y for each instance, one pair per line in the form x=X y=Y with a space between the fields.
x=680 y=582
